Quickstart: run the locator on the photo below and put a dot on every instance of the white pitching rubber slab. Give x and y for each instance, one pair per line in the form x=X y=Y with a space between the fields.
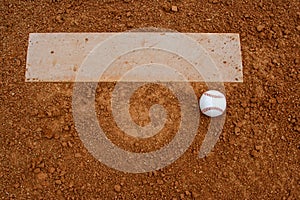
x=58 y=57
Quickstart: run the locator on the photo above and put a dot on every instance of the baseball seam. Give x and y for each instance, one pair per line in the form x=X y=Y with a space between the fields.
x=213 y=96
x=212 y=108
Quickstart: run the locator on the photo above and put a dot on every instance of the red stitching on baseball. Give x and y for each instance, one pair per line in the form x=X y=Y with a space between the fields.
x=211 y=108
x=212 y=95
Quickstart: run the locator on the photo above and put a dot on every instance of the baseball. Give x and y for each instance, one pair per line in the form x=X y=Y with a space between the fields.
x=212 y=103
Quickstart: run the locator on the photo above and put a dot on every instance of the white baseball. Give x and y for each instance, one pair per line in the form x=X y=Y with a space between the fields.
x=212 y=103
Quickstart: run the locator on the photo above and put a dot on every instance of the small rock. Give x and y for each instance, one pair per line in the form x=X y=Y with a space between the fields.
x=62 y=173
x=17 y=185
x=176 y=183
x=117 y=188
x=160 y=182
x=42 y=176
x=77 y=155
x=56 y=136
x=195 y=194
x=275 y=61
x=129 y=25
x=166 y=7
x=70 y=144
x=48 y=134
x=297 y=128
x=71 y=184
x=244 y=104
x=298 y=28
x=240 y=124
x=287 y=32
x=272 y=101
x=260 y=28
x=59 y=19
x=187 y=193
x=181 y=196
x=51 y=170
x=58 y=182
x=74 y=22
x=237 y=130
x=59 y=192
x=128 y=14
x=280 y=44
x=174 y=8
x=39 y=130
x=253 y=100
x=18 y=61
x=64 y=144
x=254 y=153
x=215 y=1
x=258 y=147
x=66 y=128
x=279 y=100
x=37 y=170
x=23 y=130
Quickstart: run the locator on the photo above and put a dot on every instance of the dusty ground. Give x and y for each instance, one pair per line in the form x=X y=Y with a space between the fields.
x=257 y=156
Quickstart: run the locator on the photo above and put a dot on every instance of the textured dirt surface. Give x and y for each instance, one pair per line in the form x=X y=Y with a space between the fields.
x=257 y=156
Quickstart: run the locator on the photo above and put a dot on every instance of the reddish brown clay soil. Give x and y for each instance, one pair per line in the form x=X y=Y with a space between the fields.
x=257 y=156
